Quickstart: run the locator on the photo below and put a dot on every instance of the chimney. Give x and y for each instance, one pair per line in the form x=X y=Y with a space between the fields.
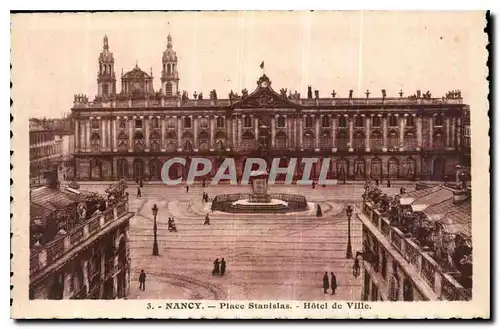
x=309 y=92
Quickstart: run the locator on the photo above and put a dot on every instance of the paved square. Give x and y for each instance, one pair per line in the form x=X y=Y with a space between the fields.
x=269 y=256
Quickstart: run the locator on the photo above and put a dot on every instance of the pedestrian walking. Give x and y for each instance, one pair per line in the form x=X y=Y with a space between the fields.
x=139 y=194
x=313 y=184
x=222 y=267
x=216 y=269
x=187 y=188
x=141 y=184
x=142 y=281
x=333 y=283
x=207 y=220
x=326 y=284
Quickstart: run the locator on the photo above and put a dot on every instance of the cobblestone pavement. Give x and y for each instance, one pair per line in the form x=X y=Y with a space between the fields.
x=268 y=256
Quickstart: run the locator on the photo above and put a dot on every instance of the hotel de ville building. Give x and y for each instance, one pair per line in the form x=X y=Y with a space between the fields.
x=129 y=133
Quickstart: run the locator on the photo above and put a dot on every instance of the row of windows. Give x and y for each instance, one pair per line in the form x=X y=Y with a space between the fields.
x=359 y=122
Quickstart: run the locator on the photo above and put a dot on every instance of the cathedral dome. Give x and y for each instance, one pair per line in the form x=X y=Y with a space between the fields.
x=136 y=73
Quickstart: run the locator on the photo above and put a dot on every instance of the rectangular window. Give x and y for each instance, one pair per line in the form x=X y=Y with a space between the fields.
x=309 y=122
x=393 y=121
x=359 y=122
x=438 y=121
x=94 y=124
x=410 y=121
x=138 y=123
x=342 y=122
x=247 y=122
x=376 y=121
x=220 y=122
x=325 y=122
x=187 y=122
x=171 y=123
x=281 y=122
x=154 y=123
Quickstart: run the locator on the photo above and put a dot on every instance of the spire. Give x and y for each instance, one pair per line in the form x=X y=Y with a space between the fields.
x=105 y=42
x=169 y=41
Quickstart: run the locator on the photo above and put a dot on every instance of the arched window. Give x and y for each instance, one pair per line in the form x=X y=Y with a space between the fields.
x=308 y=140
x=376 y=168
x=393 y=168
x=248 y=141
x=359 y=168
x=342 y=140
x=169 y=69
x=95 y=142
x=410 y=140
x=408 y=167
x=325 y=140
x=281 y=140
x=438 y=120
x=376 y=140
x=393 y=140
x=138 y=142
x=359 y=141
x=122 y=142
x=438 y=140
x=309 y=122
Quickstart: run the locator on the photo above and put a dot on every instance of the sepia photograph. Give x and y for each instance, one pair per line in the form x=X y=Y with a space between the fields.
x=295 y=164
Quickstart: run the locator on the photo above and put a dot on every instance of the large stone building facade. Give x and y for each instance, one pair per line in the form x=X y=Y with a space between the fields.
x=131 y=133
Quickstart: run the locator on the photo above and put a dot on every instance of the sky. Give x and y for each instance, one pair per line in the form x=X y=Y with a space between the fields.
x=54 y=56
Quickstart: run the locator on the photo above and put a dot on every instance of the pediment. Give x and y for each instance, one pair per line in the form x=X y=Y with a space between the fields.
x=264 y=97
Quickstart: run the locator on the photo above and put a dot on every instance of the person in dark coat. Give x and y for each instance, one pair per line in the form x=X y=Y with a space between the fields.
x=222 y=267
x=142 y=281
x=402 y=190
x=187 y=188
x=333 y=282
x=326 y=285
x=139 y=194
x=216 y=270
x=141 y=183
x=319 y=212
x=313 y=184
x=207 y=220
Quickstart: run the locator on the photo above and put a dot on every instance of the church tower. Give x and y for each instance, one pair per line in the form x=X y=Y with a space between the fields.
x=169 y=74
x=106 y=81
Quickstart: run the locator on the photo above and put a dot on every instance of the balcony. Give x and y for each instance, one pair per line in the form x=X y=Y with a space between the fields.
x=419 y=256
x=42 y=257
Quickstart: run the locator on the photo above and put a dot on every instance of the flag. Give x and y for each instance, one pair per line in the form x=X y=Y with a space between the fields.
x=262 y=65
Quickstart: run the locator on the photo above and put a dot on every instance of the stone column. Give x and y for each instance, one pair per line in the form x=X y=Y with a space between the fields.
x=114 y=169
x=334 y=133
x=77 y=135
x=82 y=125
x=212 y=132
x=431 y=132
x=367 y=132
x=447 y=123
x=453 y=132
x=163 y=143
x=87 y=136
x=194 y=119
x=130 y=133
x=110 y=133
x=179 y=133
x=114 y=137
x=459 y=132
x=316 y=133
x=351 y=133
x=296 y=133
x=256 y=128
x=273 y=131
x=384 y=132
x=240 y=132
x=402 y=131
x=102 y=132
x=419 y=132
x=301 y=132
x=146 y=121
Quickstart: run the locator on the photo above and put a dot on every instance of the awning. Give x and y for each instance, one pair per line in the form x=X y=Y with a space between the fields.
x=418 y=207
x=406 y=201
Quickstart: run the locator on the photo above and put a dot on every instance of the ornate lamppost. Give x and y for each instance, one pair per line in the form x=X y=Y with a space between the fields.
x=349 y=246
x=155 y=243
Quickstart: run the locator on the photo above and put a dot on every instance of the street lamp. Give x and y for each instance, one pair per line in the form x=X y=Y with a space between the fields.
x=349 y=247
x=155 y=243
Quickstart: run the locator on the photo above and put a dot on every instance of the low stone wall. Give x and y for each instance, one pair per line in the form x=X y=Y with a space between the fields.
x=225 y=202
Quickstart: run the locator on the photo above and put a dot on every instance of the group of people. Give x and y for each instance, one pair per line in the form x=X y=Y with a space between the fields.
x=204 y=197
x=219 y=267
x=171 y=225
x=329 y=283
